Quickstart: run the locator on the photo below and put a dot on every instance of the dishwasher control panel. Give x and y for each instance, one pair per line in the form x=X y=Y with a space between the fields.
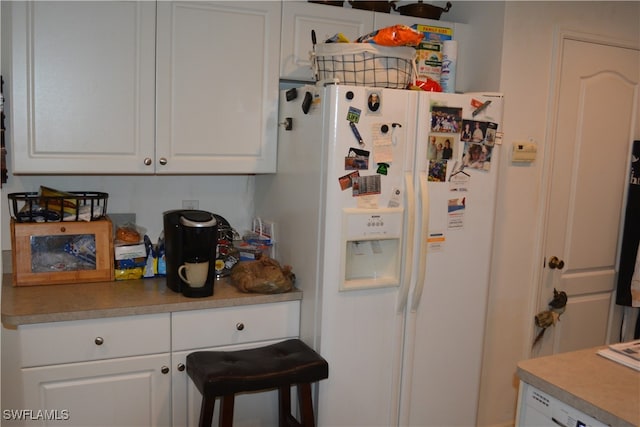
x=537 y=408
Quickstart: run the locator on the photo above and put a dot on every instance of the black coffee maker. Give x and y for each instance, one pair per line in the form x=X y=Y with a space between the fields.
x=191 y=238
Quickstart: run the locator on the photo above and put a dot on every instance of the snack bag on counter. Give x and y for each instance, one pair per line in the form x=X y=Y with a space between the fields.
x=130 y=251
x=396 y=35
x=264 y=276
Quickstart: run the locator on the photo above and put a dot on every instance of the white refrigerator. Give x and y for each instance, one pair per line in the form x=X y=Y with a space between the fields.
x=384 y=207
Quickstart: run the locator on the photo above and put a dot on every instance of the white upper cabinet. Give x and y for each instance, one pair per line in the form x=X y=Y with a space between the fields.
x=82 y=86
x=217 y=86
x=102 y=87
x=299 y=18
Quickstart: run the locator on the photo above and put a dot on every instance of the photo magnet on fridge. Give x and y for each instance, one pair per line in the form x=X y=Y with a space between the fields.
x=374 y=102
x=346 y=180
x=446 y=119
x=357 y=159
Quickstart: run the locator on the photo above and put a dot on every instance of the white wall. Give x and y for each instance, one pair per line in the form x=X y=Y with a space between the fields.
x=527 y=54
x=148 y=196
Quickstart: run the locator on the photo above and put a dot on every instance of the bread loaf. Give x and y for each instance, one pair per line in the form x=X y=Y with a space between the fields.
x=127 y=235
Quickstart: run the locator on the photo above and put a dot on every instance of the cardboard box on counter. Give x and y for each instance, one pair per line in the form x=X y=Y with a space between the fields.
x=434 y=34
x=132 y=251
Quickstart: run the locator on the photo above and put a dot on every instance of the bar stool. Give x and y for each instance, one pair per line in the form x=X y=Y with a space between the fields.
x=280 y=365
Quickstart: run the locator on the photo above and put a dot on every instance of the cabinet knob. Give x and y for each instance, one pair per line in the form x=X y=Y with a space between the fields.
x=164 y=370
x=239 y=326
x=148 y=161
x=99 y=341
x=181 y=367
x=163 y=161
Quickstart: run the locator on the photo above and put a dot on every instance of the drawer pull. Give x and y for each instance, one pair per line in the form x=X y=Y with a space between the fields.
x=164 y=370
x=99 y=341
x=239 y=326
x=181 y=367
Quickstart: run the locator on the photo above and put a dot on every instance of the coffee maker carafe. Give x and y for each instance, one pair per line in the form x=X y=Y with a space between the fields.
x=191 y=237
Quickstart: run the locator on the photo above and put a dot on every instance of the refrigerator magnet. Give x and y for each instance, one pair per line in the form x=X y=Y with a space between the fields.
x=357 y=159
x=374 y=101
x=356 y=133
x=437 y=171
x=346 y=180
x=353 y=115
x=366 y=185
x=455 y=213
x=382 y=143
x=459 y=179
x=383 y=168
x=477 y=156
x=446 y=119
x=442 y=147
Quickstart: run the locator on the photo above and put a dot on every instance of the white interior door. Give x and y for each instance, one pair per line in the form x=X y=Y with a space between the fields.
x=595 y=112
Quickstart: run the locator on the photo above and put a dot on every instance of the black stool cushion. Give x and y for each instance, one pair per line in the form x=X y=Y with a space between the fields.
x=220 y=373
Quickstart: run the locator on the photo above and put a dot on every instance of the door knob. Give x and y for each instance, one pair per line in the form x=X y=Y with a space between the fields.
x=555 y=262
x=163 y=161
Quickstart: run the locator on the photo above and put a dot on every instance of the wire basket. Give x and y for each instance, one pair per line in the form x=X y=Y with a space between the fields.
x=365 y=64
x=73 y=206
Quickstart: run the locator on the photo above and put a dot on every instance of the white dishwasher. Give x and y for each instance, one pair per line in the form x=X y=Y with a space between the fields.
x=536 y=409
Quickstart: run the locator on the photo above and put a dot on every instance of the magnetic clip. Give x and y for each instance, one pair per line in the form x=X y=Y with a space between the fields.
x=306 y=102
x=291 y=94
x=287 y=123
x=394 y=137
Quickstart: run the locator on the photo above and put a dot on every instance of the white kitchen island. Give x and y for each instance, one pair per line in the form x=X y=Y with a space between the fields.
x=582 y=382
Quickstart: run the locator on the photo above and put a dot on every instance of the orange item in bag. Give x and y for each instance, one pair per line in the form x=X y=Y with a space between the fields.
x=396 y=35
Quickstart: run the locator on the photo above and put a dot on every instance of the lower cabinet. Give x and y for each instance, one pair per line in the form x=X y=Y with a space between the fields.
x=130 y=391
x=131 y=371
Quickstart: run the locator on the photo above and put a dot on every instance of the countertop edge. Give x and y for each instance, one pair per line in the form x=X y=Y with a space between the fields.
x=12 y=321
x=84 y=301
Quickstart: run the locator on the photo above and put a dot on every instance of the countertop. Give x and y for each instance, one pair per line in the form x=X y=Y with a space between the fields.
x=78 y=301
x=599 y=387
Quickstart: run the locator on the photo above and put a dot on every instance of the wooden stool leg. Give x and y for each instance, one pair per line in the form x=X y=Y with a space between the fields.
x=226 y=412
x=206 y=411
x=306 y=405
x=284 y=406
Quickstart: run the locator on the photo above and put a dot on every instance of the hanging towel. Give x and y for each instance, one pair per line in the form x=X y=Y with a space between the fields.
x=628 y=289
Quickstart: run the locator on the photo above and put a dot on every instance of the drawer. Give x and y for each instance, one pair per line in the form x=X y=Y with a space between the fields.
x=84 y=340
x=234 y=325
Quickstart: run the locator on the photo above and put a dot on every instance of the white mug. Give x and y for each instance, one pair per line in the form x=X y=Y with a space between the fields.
x=196 y=273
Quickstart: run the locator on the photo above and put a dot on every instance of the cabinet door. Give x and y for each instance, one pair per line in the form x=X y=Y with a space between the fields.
x=217 y=86
x=81 y=87
x=127 y=392
x=251 y=409
x=299 y=18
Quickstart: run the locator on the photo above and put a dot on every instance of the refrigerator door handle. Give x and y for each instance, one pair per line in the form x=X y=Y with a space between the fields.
x=407 y=275
x=424 y=234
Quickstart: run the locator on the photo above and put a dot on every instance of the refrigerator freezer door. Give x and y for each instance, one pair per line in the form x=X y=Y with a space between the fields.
x=361 y=330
